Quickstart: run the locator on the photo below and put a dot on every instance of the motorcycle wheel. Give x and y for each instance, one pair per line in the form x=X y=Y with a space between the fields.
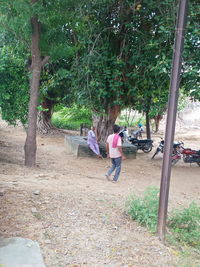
x=147 y=149
x=174 y=161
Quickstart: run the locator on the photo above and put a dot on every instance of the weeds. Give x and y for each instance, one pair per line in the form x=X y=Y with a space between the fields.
x=144 y=210
x=183 y=224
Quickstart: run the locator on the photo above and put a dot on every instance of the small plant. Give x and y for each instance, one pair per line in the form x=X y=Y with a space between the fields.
x=184 y=225
x=145 y=210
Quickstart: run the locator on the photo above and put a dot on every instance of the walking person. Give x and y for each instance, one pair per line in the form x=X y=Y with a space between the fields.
x=114 y=152
x=92 y=142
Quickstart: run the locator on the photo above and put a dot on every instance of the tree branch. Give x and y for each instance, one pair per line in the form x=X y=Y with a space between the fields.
x=45 y=60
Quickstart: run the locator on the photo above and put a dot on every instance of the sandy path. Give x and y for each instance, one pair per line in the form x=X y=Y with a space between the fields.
x=79 y=218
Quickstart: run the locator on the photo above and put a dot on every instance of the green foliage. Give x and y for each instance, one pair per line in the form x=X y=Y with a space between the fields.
x=191 y=78
x=125 y=54
x=145 y=210
x=102 y=53
x=55 y=41
x=131 y=121
x=184 y=225
x=72 y=118
x=14 y=87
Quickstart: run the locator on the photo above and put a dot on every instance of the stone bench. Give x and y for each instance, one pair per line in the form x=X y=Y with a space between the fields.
x=77 y=145
x=20 y=252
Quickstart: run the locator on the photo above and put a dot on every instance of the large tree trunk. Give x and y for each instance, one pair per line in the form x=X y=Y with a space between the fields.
x=44 y=124
x=104 y=122
x=157 y=120
x=148 y=129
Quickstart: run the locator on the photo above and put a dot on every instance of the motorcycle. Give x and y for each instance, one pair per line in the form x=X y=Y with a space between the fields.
x=189 y=156
x=159 y=149
x=144 y=144
x=176 y=148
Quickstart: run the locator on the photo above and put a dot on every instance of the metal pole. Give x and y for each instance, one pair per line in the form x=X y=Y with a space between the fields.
x=171 y=117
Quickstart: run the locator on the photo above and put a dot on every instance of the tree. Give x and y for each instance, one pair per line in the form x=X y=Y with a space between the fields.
x=190 y=81
x=55 y=89
x=106 y=55
x=28 y=23
x=122 y=59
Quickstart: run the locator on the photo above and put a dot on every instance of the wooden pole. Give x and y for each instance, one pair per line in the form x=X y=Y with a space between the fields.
x=171 y=117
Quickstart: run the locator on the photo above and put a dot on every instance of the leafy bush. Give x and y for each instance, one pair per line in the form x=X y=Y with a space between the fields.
x=184 y=224
x=72 y=118
x=145 y=210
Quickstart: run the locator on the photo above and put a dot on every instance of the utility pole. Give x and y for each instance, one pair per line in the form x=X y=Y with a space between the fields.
x=171 y=117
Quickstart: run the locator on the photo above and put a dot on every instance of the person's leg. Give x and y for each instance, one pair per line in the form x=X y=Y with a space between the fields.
x=112 y=167
x=96 y=149
x=118 y=162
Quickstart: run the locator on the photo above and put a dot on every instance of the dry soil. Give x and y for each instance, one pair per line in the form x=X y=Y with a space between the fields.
x=76 y=215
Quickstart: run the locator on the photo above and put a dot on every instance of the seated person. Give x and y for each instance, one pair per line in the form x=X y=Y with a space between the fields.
x=92 y=142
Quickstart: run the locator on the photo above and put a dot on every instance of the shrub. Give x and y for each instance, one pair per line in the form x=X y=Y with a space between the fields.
x=72 y=118
x=145 y=210
x=184 y=225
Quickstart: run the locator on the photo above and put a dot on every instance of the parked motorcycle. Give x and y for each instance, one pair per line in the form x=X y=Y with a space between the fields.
x=189 y=156
x=159 y=149
x=176 y=147
x=144 y=144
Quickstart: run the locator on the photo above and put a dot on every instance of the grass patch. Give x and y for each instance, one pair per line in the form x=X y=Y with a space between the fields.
x=183 y=224
x=144 y=209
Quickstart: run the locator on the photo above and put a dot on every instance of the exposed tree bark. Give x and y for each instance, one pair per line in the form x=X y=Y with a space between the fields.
x=157 y=120
x=104 y=122
x=30 y=146
x=30 y=143
x=148 y=129
x=44 y=124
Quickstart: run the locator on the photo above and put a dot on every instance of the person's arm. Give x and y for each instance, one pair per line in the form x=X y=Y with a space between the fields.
x=121 y=152
x=119 y=146
x=107 y=150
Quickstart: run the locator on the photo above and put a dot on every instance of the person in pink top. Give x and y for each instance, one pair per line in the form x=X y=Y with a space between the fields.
x=114 y=152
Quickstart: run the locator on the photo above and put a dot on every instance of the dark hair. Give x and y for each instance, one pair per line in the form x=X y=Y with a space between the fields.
x=116 y=128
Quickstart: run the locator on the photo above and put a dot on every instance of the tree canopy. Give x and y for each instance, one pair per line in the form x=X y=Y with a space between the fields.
x=103 y=54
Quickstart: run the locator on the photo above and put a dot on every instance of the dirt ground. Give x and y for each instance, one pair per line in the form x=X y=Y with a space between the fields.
x=78 y=216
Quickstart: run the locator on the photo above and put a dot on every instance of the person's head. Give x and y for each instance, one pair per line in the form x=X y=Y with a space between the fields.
x=116 y=128
x=93 y=128
x=140 y=125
